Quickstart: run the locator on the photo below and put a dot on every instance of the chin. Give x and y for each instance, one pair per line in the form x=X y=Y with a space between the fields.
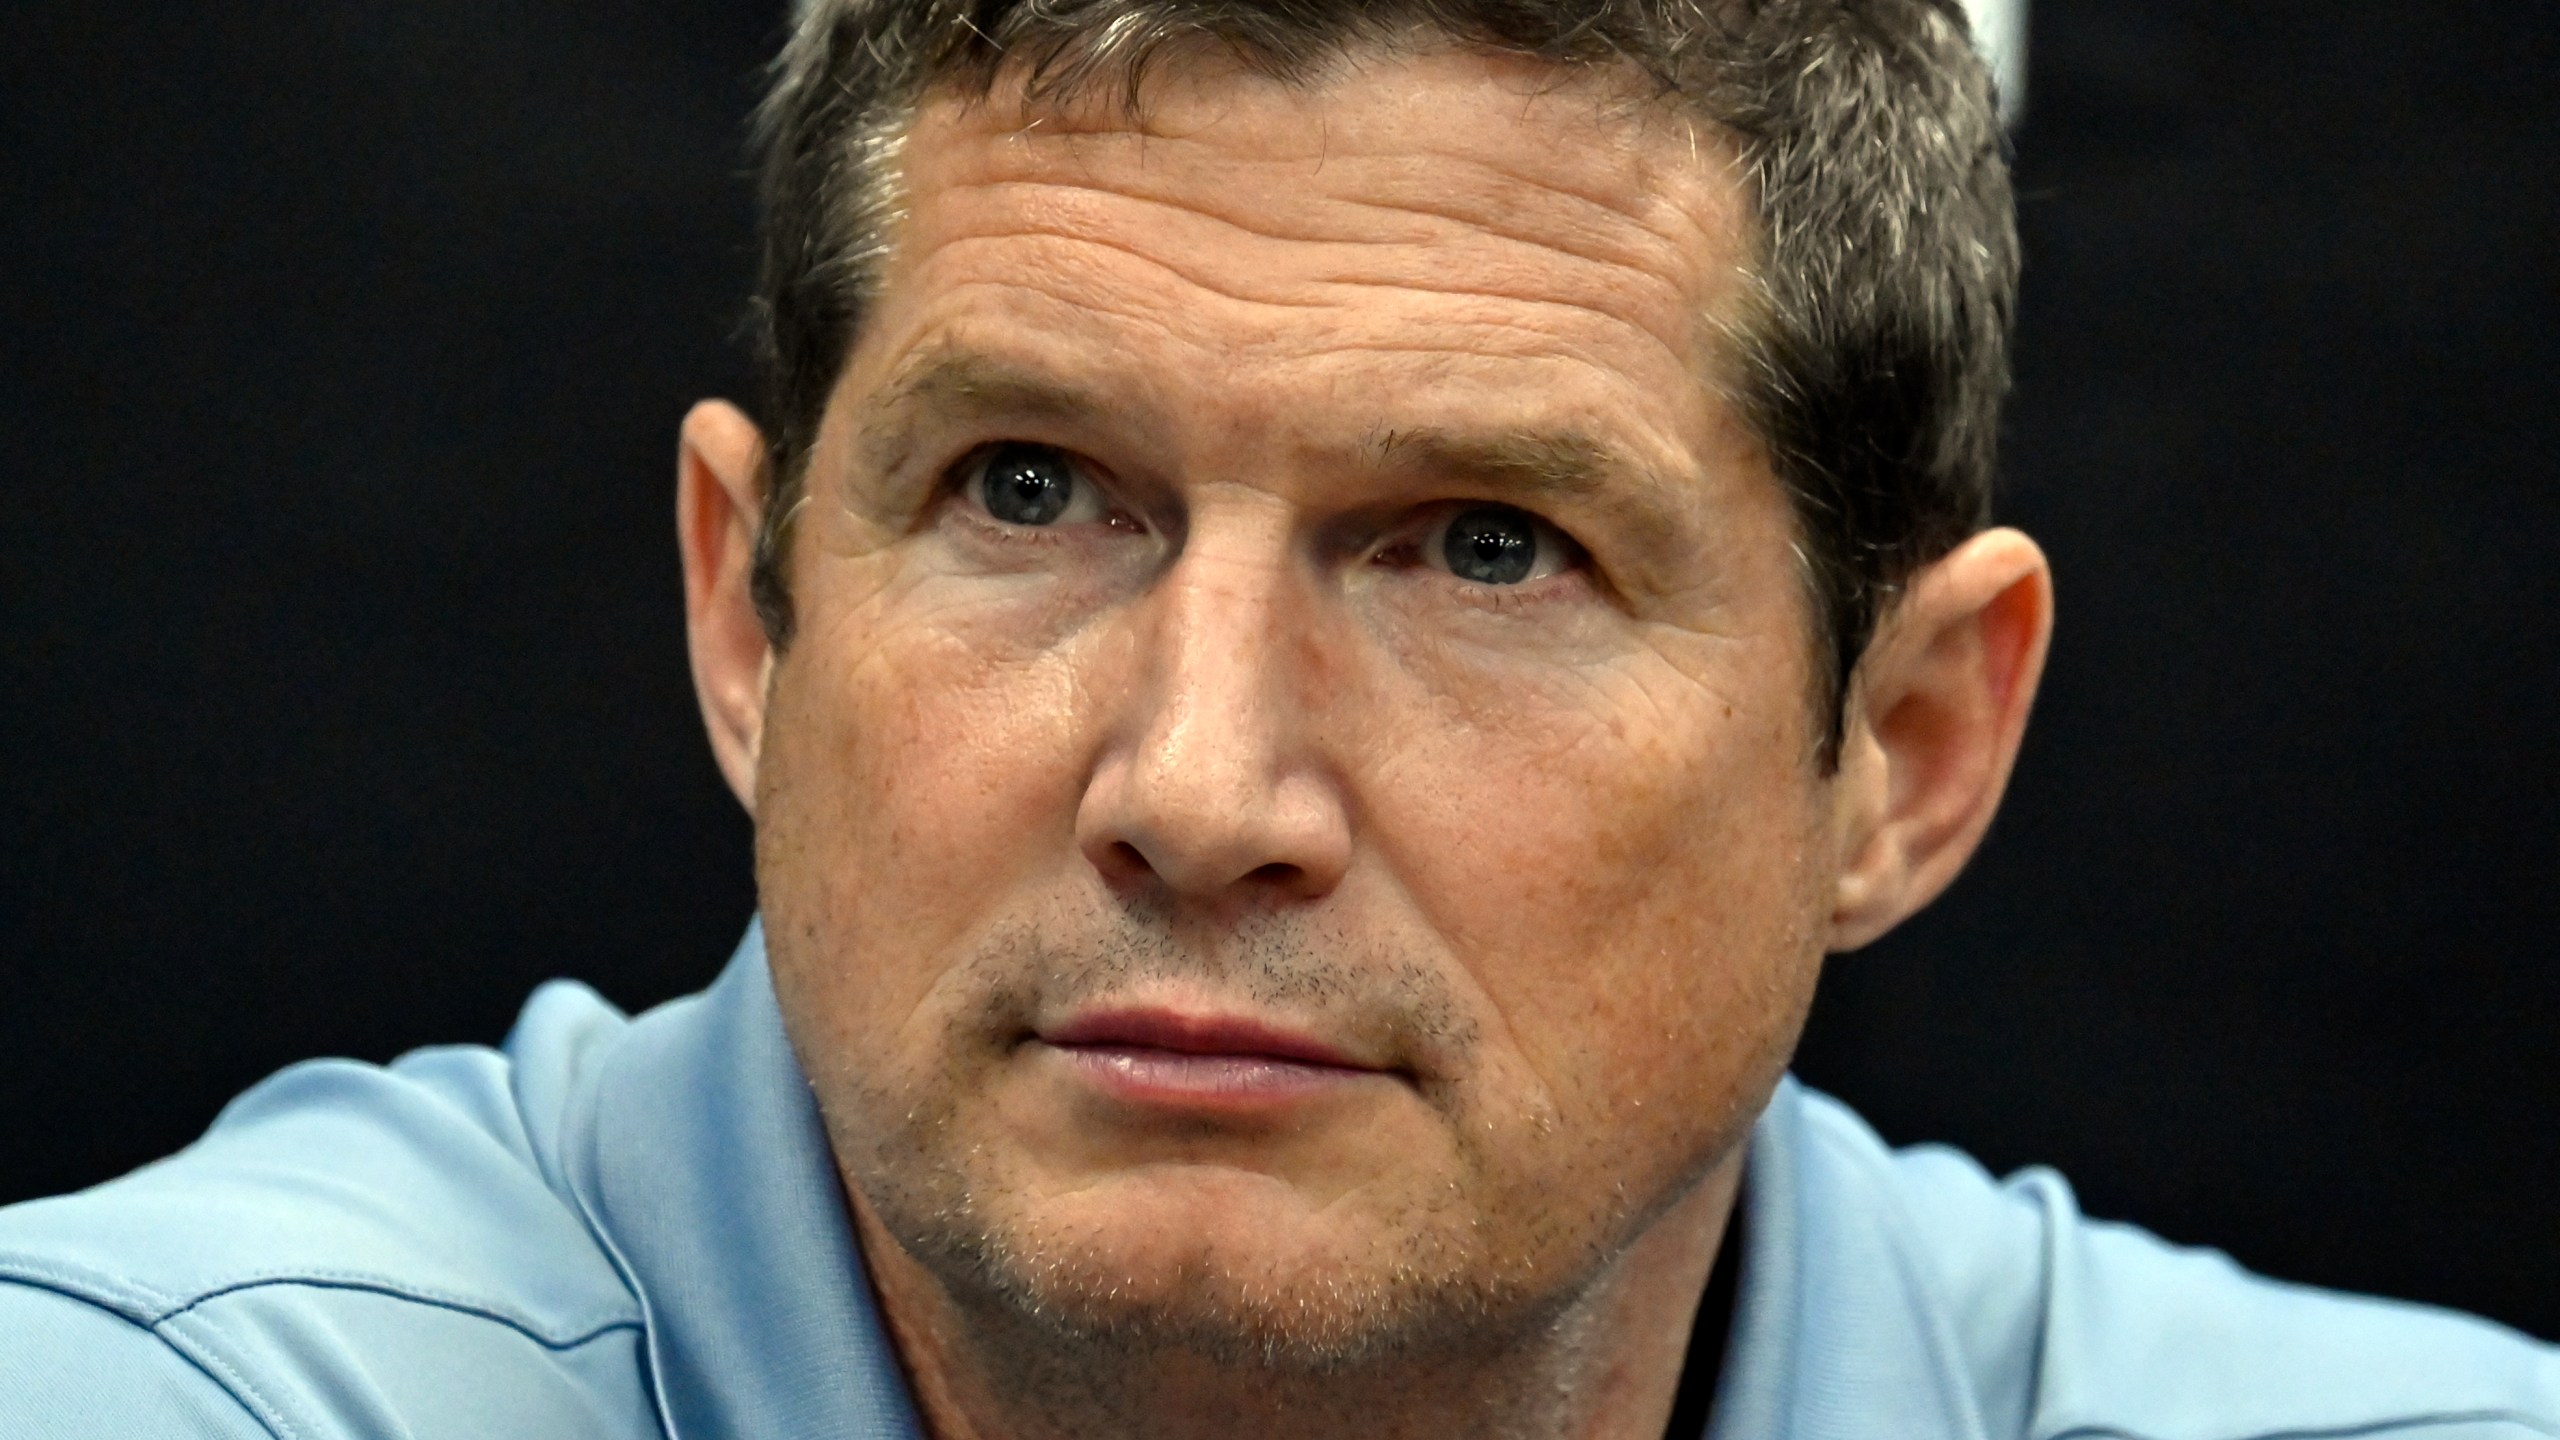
x=1222 y=1264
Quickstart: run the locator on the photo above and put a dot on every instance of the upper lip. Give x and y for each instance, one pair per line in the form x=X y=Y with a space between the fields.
x=1193 y=1034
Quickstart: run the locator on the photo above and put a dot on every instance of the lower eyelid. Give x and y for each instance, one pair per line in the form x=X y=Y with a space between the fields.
x=997 y=530
x=1562 y=587
x=1060 y=532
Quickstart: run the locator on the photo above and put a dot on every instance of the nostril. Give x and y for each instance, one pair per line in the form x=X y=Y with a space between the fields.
x=1277 y=875
x=1128 y=860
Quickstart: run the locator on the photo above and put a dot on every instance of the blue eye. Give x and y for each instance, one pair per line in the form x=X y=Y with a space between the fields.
x=1492 y=545
x=1027 y=484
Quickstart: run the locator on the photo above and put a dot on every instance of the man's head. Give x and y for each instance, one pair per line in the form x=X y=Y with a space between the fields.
x=1868 y=348
x=1289 y=820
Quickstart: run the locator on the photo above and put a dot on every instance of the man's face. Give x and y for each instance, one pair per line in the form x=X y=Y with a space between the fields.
x=1289 y=817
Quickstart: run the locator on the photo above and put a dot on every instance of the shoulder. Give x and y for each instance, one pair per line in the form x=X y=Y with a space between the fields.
x=2073 y=1327
x=343 y=1242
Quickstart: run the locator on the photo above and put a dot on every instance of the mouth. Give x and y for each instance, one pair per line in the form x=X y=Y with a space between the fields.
x=1168 y=1059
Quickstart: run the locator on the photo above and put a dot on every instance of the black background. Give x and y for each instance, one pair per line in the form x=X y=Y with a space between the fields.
x=345 y=696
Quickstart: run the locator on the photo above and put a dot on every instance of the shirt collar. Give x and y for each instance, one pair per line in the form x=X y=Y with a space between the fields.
x=708 y=1176
x=1836 y=1334
x=712 y=1183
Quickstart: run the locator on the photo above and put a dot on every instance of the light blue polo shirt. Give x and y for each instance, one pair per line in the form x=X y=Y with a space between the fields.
x=630 y=1228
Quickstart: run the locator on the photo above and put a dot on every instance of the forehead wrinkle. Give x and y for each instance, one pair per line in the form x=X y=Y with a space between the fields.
x=1079 y=210
x=1646 y=240
x=1668 y=209
x=1624 y=156
x=1032 y=387
x=1475 y=191
x=1236 y=288
x=1539 y=343
x=1637 y=247
x=1612 y=132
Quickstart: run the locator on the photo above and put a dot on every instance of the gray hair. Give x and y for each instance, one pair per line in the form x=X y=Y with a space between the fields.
x=1873 y=360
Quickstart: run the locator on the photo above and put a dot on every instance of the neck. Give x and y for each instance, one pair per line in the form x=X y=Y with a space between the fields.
x=1606 y=1367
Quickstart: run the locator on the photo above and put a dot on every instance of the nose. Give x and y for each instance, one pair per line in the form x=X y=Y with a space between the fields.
x=1216 y=789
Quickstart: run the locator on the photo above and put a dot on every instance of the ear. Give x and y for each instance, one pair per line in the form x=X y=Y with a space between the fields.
x=719 y=496
x=1932 y=727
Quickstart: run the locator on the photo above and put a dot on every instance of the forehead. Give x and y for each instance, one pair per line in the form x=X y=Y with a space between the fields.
x=1404 y=242
x=1448 y=172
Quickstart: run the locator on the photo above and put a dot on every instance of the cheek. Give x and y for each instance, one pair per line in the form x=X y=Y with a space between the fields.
x=1625 y=865
x=923 y=751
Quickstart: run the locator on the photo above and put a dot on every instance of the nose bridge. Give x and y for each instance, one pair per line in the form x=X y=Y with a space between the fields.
x=1218 y=697
x=1214 y=782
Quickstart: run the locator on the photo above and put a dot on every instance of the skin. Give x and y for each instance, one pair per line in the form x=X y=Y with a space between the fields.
x=1551 y=865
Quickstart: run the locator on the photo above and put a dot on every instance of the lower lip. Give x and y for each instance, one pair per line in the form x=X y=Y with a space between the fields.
x=1216 y=1082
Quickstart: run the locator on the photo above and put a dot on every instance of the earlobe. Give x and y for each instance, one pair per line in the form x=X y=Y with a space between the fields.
x=1933 y=727
x=719 y=496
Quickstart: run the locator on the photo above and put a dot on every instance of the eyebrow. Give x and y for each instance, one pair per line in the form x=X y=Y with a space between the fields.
x=1533 y=464
x=965 y=382
x=1532 y=467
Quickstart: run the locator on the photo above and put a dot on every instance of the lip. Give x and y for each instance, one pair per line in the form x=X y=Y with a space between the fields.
x=1176 y=1033
x=1169 y=1059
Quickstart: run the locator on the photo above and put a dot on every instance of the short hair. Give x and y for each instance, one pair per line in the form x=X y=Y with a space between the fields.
x=1871 y=359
